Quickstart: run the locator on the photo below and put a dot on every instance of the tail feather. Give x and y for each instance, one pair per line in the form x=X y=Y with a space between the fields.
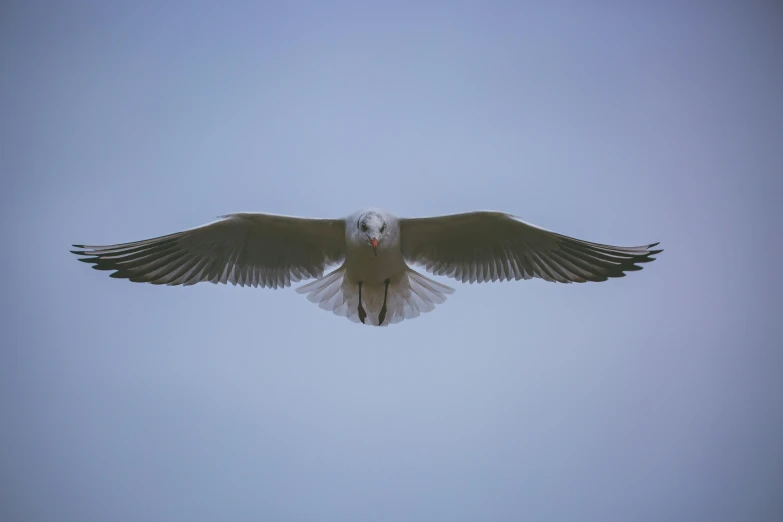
x=409 y=295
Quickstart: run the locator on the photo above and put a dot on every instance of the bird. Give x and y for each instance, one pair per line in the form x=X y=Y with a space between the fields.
x=373 y=252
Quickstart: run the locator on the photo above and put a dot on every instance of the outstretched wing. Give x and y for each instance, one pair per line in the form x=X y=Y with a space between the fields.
x=250 y=249
x=493 y=246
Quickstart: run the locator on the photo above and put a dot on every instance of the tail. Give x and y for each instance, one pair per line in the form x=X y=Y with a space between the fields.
x=410 y=295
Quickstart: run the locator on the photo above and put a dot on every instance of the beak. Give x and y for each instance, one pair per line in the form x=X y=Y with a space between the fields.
x=374 y=244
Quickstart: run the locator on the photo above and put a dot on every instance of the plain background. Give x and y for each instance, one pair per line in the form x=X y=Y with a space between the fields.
x=653 y=397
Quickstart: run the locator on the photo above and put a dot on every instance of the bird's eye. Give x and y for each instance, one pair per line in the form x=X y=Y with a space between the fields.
x=383 y=227
x=364 y=227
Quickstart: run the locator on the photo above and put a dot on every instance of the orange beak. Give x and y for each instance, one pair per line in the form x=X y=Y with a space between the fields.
x=374 y=244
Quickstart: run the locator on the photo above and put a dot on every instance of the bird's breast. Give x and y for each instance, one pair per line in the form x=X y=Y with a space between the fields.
x=361 y=264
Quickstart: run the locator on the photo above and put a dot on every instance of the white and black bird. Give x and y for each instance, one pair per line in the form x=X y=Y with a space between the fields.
x=373 y=283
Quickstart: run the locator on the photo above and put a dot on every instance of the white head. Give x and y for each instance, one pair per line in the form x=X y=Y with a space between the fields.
x=372 y=226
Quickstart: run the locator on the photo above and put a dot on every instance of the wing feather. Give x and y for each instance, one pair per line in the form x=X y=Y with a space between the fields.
x=493 y=246
x=247 y=249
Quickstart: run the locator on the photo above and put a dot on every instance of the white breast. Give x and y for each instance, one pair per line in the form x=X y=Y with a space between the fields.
x=362 y=265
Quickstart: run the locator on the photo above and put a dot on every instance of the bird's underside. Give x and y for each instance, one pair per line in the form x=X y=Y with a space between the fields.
x=372 y=250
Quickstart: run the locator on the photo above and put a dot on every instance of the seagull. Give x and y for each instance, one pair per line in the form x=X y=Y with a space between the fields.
x=374 y=283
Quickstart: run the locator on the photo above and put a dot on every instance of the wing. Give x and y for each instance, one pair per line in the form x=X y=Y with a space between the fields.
x=493 y=246
x=242 y=249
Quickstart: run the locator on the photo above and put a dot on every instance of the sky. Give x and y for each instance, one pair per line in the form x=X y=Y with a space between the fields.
x=658 y=396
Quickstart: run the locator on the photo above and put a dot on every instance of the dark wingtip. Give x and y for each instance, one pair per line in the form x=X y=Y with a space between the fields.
x=80 y=250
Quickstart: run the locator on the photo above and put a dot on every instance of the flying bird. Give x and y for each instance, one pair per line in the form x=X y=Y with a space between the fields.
x=373 y=283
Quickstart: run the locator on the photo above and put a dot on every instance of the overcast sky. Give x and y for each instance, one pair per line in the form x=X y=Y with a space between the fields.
x=653 y=397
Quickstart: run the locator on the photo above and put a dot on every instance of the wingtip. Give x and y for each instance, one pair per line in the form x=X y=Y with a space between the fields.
x=81 y=250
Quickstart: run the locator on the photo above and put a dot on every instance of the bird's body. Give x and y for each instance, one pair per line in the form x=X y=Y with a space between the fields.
x=373 y=282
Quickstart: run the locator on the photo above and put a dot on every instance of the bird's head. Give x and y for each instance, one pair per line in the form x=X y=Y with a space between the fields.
x=372 y=226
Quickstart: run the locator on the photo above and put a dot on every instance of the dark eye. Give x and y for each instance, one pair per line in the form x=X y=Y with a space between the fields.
x=383 y=227
x=364 y=227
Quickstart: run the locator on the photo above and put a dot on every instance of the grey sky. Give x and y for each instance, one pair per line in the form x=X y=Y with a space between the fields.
x=653 y=397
